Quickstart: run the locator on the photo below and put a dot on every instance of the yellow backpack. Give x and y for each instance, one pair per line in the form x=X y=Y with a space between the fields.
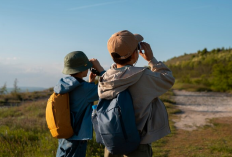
x=58 y=116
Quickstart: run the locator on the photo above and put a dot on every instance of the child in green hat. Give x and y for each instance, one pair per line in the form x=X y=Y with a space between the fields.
x=82 y=94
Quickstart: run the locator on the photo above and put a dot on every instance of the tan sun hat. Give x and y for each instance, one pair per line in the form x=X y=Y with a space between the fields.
x=123 y=43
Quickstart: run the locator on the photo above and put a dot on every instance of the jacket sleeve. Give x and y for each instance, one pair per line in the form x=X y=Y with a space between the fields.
x=92 y=94
x=159 y=77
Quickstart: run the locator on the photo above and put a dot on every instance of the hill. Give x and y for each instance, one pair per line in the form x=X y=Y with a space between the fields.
x=203 y=70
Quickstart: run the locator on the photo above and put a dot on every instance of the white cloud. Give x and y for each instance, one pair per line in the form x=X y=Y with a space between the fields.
x=9 y=60
x=45 y=75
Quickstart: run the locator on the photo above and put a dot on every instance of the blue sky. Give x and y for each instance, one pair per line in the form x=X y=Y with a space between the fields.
x=36 y=35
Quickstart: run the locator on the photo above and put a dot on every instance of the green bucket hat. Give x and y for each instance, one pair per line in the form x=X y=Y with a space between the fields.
x=76 y=62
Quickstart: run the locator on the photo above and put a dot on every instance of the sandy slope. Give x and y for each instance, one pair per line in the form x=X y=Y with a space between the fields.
x=198 y=107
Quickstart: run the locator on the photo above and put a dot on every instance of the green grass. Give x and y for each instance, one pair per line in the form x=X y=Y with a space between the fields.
x=24 y=132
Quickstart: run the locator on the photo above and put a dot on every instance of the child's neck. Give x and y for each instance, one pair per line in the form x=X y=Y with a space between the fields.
x=78 y=75
x=120 y=66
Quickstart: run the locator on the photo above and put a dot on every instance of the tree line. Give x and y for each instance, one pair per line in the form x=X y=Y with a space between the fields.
x=16 y=89
x=15 y=95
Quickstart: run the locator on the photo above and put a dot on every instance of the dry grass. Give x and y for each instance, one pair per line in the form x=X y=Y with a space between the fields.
x=209 y=141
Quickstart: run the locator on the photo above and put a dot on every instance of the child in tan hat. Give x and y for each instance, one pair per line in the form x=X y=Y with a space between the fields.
x=145 y=86
x=82 y=94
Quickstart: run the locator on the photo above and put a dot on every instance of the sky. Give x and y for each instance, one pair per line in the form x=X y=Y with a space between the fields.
x=36 y=35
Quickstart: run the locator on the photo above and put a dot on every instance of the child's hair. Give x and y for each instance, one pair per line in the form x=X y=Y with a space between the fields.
x=116 y=58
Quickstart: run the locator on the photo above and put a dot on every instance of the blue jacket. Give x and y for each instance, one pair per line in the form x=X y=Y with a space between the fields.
x=82 y=94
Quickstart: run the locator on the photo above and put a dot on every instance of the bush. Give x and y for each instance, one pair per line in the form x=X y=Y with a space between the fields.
x=222 y=77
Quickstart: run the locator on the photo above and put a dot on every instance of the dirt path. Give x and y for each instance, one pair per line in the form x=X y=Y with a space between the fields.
x=198 y=107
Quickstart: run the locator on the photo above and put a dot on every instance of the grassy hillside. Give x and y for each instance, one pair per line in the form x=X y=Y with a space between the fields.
x=203 y=70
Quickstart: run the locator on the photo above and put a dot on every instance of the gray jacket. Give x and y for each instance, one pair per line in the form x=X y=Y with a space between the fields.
x=145 y=86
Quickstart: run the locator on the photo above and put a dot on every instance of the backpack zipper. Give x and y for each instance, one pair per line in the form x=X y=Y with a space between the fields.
x=54 y=110
x=122 y=124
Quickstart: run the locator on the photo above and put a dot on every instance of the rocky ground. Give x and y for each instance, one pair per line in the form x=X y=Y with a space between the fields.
x=198 y=107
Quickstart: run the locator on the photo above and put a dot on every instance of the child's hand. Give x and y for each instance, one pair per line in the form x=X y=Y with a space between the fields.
x=92 y=77
x=148 y=55
x=96 y=65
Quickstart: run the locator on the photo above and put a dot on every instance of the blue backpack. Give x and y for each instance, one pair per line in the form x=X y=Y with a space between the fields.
x=114 y=124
